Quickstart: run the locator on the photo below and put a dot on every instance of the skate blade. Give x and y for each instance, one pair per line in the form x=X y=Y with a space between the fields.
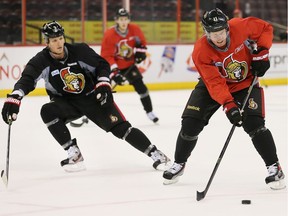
x=78 y=167
x=277 y=185
x=171 y=181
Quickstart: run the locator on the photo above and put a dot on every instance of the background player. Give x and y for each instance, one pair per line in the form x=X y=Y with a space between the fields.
x=227 y=60
x=124 y=45
x=77 y=81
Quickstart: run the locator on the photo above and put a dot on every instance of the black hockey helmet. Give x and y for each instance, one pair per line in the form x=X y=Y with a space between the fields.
x=214 y=20
x=52 y=29
x=122 y=12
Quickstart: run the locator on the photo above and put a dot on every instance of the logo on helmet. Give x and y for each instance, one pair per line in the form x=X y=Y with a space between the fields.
x=122 y=12
x=214 y=20
x=52 y=29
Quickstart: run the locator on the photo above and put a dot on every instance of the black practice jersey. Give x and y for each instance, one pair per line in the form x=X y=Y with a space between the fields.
x=73 y=77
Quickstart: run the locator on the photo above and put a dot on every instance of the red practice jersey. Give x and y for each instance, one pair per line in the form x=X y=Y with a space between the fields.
x=118 y=49
x=225 y=72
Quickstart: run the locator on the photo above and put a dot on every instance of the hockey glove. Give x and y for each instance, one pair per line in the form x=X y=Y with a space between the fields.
x=117 y=77
x=260 y=62
x=11 y=108
x=103 y=93
x=233 y=113
x=140 y=54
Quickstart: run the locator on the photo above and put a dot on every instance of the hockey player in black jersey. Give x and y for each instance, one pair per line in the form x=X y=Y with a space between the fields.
x=77 y=82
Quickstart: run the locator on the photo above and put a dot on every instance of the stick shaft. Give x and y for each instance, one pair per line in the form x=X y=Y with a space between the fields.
x=201 y=195
x=5 y=175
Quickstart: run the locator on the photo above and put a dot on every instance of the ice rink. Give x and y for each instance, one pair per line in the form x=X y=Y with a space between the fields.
x=120 y=181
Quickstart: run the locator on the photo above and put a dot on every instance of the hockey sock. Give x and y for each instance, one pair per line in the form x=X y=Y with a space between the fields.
x=138 y=139
x=59 y=131
x=56 y=126
x=70 y=143
x=264 y=143
x=146 y=102
x=184 y=146
x=143 y=92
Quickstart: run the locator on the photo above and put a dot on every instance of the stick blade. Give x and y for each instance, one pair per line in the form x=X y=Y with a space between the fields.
x=84 y=120
x=4 y=178
x=200 y=195
x=73 y=124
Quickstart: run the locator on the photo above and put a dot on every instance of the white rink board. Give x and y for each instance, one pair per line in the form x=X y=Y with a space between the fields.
x=13 y=60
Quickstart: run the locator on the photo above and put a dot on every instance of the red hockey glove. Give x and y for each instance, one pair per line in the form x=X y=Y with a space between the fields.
x=117 y=77
x=103 y=93
x=233 y=113
x=11 y=108
x=140 y=54
x=260 y=62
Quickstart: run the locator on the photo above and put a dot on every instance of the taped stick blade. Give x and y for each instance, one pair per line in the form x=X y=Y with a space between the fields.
x=200 y=195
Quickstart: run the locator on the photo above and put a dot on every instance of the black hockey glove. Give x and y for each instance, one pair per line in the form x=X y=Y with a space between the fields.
x=140 y=54
x=103 y=93
x=11 y=108
x=117 y=77
x=260 y=62
x=233 y=113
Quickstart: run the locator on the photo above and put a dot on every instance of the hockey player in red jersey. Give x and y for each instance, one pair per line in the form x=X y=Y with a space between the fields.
x=77 y=81
x=228 y=57
x=124 y=45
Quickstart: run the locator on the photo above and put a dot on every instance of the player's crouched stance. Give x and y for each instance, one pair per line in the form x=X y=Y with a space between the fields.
x=111 y=120
x=227 y=65
x=77 y=82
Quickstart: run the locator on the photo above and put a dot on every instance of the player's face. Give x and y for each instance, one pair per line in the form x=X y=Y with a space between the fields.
x=218 y=38
x=123 y=23
x=56 y=47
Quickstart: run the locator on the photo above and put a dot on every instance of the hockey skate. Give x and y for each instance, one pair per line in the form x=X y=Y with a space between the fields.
x=152 y=117
x=275 y=179
x=74 y=162
x=161 y=161
x=172 y=175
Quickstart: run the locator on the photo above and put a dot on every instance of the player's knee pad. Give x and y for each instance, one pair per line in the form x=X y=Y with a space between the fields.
x=257 y=131
x=187 y=137
x=49 y=113
x=121 y=130
x=191 y=128
x=252 y=123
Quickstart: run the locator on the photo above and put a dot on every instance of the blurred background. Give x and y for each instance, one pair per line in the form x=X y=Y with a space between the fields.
x=162 y=21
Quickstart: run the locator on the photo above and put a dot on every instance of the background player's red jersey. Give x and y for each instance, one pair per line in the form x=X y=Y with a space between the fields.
x=118 y=49
x=227 y=71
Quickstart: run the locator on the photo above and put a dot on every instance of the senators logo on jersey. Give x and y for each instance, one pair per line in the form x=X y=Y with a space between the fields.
x=74 y=83
x=124 y=49
x=252 y=104
x=234 y=71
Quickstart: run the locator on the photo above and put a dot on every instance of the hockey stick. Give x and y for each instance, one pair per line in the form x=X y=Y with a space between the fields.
x=201 y=195
x=124 y=75
x=84 y=121
x=5 y=175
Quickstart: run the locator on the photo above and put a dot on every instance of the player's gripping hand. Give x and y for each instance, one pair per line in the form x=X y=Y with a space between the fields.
x=11 y=108
x=103 y=93
x=233 y=113
x=117 y=77
x=140 y=54
x=260 y=62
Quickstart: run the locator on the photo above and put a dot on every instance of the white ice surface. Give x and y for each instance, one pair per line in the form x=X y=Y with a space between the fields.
x=121 y=181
